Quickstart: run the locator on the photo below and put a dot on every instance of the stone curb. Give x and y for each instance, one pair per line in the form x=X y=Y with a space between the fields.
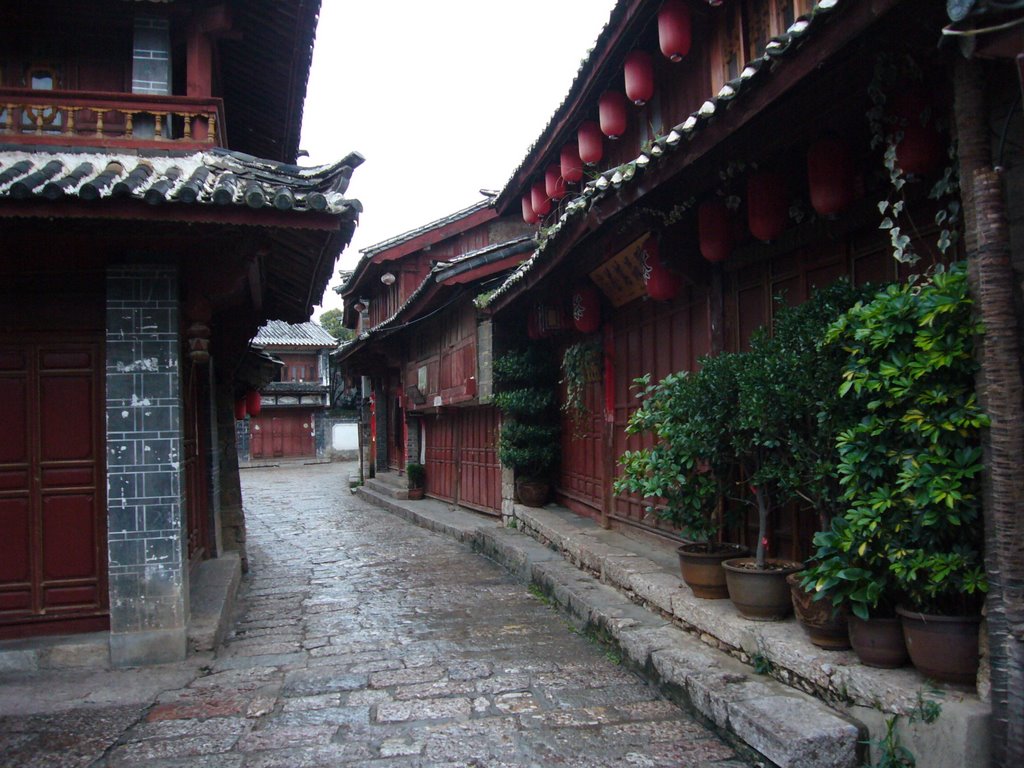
x=211 y=601
x=789 y=728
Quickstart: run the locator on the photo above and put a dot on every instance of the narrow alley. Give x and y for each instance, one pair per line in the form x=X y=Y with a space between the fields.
x=360 y=639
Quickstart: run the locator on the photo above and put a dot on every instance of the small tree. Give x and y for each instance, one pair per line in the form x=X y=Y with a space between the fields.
x=910 y=467
x=333 y=321
x=684 y=474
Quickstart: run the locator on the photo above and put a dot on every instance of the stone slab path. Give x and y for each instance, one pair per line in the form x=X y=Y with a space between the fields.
x=362 y=640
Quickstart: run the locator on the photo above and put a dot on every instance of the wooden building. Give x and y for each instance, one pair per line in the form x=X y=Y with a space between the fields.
x=151 y=219
x=699 y=214
x=290 y=423
x=426 y=352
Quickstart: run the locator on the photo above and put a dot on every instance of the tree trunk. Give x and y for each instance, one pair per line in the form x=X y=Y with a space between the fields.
x=1002 y=396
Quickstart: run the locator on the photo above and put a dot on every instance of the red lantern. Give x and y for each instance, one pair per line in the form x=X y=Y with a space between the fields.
x=240 y=411
x=767 y=206
x=830 y=175
x=662 y=285
x=715 y=230
x=253 y=402
x=571 y=165
x=920 y=150
x=591 y=142
x=674 y=29
x=611 y=112
x=529 y=215
x=540 y=200
x=554 y=184
x=639 y=73
x=532 y=324
x=586 y=309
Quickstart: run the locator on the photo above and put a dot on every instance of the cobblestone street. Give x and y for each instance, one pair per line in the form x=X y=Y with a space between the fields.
x=361 y=639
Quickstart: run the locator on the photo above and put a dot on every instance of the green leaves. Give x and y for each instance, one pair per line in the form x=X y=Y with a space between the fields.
x=910 y=468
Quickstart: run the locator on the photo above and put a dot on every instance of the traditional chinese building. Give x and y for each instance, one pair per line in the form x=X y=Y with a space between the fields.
x=426 y=352
x=151 y=220
x=290 y=422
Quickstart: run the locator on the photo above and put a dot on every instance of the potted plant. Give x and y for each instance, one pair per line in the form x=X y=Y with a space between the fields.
x=416 y=479
x=529 y=439
x=684 y=472
x=911 y=466
x=801 y=387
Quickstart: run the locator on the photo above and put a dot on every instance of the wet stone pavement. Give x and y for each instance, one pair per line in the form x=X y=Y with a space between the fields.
x=362 y=640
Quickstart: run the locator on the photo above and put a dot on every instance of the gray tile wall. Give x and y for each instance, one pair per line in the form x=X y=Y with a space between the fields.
x=145 y=522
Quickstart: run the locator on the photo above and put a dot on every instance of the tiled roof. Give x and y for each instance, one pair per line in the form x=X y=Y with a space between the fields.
x=280 y=333
x=626 y=174
x=369 y=252
x=215 y=177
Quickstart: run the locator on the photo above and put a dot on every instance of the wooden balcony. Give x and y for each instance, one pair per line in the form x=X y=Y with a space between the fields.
x=110 y=120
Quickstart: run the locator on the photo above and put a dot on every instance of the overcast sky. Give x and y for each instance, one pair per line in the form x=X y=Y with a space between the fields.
x=442 y=97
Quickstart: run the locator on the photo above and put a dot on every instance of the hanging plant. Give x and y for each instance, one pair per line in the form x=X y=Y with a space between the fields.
x=581 y=367
x=898 y=116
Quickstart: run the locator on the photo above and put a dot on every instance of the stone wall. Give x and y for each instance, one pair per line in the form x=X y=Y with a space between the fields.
x=148 y=578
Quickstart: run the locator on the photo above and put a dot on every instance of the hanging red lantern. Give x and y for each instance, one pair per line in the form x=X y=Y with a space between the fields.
x=554 y=184
x=586 y=309
x=611 y=114
x=639 y=73
x=591 y=142
x=253 y=402
x=240 y=410
x=662 y=284
x=570 y=164
x=767 y=206
x=830 y=175
x=920 y=151
x=529 y=215
x=674 y=29
x=540 y=200
x=715 y=230
x=532 y=324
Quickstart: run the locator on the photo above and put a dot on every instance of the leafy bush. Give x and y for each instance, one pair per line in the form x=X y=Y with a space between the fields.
x=529 y=438
x=910 y=469
x=416 y=475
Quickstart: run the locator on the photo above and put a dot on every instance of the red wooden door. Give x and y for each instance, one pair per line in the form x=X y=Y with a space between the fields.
x=196 y=434
x=440 y=456
x=478 y=468
x=581 y=482
x=52 y=481
x=277 y=426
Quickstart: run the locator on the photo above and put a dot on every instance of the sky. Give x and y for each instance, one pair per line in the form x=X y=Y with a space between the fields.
x=442 y=97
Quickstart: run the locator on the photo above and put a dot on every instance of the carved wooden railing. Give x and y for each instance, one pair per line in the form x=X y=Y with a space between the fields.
x=109 y=120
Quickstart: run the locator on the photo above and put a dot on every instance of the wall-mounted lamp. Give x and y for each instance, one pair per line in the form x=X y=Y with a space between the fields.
x=388 y=278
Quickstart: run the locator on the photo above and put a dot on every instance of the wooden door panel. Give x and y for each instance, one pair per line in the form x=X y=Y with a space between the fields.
x=478 y=466
x=440 y=458
x=69 y=542
x=52 y=510
x=66 y=415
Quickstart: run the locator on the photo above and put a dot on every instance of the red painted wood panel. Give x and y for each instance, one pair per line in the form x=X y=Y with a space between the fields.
x=480 y=471
x=279 y=433
x=52 y=501
x=581 y=478
x=440 y=459
x=656 y=338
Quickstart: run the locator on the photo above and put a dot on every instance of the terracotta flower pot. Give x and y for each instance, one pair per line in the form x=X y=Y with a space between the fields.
x=878 y=642
x=415 y=494
x=702 y=569
x=760 y=595
x=825 y=627
x=944 y=648
x=532 y=493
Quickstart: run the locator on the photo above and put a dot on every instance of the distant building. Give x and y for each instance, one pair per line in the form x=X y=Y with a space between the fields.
x=290 y=423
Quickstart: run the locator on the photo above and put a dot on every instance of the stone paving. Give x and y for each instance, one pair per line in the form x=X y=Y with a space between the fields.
x=361 y=640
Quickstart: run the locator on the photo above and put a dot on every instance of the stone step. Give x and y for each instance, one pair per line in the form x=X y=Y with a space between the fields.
x=90 y=651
